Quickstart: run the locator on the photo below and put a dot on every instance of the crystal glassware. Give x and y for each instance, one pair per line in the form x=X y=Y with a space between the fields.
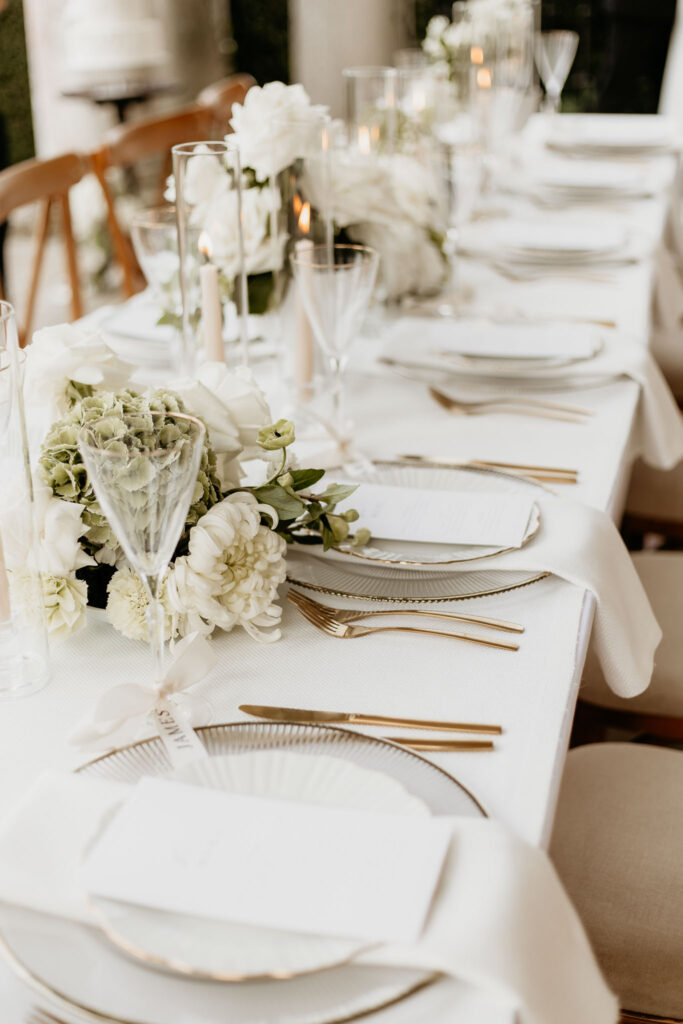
x=24 y=658
x=143 y=479
x=335 y=287
x=209 y=189
x=372 y=108
x=555 y=52
x=154 y=234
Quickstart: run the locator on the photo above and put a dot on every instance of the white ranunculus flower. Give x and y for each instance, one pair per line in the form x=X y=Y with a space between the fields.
x=268 y=124
x=127 y=606
x=56 y=356
x=231 y=573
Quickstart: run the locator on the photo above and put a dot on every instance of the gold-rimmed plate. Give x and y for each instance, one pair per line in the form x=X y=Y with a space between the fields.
x=412 y=556
x=77 y=972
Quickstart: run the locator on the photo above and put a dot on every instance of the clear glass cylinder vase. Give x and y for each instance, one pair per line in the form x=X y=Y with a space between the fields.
x=24 y=657
x=209 y=188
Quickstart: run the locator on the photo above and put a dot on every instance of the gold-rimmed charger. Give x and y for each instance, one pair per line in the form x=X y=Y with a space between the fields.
x=93 y=980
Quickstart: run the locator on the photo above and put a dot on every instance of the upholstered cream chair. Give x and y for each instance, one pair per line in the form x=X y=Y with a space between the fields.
x=659 y=709
x=618 y=848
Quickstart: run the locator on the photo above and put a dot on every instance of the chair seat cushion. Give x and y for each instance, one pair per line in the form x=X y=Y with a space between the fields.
x=661 y=573
x=656 y=494
x=618 y=848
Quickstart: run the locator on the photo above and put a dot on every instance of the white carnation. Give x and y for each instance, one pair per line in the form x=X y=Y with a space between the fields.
x=65 y=599
x=231 y=573
x=127 y=606
x=270 y=124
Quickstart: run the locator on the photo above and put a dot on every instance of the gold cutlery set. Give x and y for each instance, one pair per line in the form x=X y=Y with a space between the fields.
x=515 y=405
x=277 y=714
x=543 y=474
x=336 y=622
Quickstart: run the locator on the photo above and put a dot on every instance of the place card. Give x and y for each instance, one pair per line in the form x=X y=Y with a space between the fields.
x=322 y=870
x=443 y=517
x=497 y=341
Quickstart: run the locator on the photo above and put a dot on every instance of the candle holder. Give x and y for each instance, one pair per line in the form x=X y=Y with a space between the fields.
x=209 y=187
x=24 y=660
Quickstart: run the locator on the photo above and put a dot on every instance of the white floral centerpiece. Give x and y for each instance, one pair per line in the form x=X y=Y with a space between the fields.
x=448 y=43
x=386 y=201
x=230 y=559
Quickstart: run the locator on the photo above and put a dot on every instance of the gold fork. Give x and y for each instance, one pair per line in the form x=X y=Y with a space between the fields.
x=511 y=404
x=353 y=614
x=333 y=627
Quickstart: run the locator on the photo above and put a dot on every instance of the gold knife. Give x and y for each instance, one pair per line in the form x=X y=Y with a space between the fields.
x=329 y=717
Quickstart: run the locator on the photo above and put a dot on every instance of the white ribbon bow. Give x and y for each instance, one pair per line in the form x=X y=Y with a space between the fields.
x=120 y=713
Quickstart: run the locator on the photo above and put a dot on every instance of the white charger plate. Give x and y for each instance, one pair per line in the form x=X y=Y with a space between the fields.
x=417 y=556
x=75 y=971
x=225 y=951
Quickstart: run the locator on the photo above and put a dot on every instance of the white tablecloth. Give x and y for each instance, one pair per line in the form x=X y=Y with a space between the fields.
x=531 y=693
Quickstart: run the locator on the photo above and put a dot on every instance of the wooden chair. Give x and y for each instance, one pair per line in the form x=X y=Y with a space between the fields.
x=220 y=96
x=46 y=182
x=128 y=144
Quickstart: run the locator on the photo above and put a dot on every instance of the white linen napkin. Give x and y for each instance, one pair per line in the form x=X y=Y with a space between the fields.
x=582 y=545
x=500 y=921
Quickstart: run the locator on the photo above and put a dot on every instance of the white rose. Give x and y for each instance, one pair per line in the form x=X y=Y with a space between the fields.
x=234 y=409
x=270 y=124
x=409 y=262
x=436 y=26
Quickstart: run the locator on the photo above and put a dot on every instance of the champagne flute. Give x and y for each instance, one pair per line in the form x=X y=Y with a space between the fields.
x=143 y=469
x=555 y=53
x=335 y=284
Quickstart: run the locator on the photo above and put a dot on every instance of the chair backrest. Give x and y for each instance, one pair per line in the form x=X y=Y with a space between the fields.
x=220 y=96
x=129 y=144
x=46 y=182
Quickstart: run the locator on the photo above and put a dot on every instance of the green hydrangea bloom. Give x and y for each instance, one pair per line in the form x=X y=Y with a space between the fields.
x=62 y=469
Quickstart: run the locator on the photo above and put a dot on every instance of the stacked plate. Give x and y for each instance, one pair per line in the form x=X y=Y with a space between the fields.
x=149 y=967
x=564 y=183
x=492 y=358
x=611 y=137
x=546 y=244
x=412 y=571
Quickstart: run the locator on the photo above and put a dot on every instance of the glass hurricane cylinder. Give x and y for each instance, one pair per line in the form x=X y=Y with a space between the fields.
x=24 y=660
x=371 y=108
x=209 y=187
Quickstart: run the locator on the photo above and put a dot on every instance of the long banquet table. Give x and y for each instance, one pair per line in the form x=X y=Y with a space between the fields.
x=532 y=693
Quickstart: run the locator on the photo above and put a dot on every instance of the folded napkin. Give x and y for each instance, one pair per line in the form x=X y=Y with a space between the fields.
x=500 y=920
x=582 y=545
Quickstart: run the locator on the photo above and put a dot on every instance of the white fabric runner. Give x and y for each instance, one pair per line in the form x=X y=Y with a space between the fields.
x=501 y=920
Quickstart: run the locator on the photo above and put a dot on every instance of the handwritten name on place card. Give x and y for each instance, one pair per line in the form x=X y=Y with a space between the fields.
x=442 y=517
x=323 y=870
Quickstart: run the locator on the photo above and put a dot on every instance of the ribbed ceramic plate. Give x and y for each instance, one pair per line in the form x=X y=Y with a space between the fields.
x=75 y=971
x=226 y=951
x=413 y=556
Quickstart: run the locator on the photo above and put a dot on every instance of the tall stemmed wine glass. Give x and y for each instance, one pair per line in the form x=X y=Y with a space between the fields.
x=555 y=53
x=143 y=469
x=335 y=283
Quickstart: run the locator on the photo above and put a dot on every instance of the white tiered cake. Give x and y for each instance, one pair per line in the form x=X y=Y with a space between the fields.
x=112 y=41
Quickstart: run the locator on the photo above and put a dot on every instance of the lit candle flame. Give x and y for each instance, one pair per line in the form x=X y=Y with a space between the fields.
x=296 y=204
x=484 y=78
x=204 y=245
x=305 y=218
x=477 y=55
x=363 y=139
